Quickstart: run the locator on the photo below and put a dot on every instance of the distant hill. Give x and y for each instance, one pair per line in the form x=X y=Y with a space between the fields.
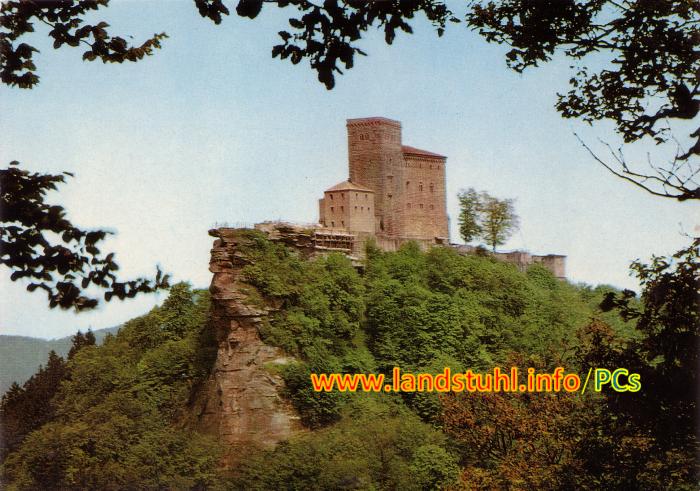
x=20 y=356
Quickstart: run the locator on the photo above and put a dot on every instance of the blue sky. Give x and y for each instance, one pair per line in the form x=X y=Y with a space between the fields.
x=212 y=129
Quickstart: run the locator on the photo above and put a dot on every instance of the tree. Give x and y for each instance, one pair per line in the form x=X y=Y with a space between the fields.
x=80 y=341
x=483 y=216
x=516 y=440
x=498 y=220
x=38 y=242
x=667 y=354
x=24 y=409
x=649 y=439
x=647 y=79
x=648 y=76
x=469 y=228
x=65 y=19
x=325 y=34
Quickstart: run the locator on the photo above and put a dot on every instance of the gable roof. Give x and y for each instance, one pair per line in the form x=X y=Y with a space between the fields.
x=348 y=186
x=417 y=151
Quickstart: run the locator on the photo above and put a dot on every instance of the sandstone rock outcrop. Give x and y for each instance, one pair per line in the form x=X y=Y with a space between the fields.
x=242 y=403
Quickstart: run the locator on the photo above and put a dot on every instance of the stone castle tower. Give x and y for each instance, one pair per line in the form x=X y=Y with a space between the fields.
x=394 y=193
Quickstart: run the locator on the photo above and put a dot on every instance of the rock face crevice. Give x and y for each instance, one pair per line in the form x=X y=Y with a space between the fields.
x=242 y=403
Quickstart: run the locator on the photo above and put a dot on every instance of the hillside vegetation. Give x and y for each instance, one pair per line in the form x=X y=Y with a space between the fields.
x=21 y=356
x=119 y=416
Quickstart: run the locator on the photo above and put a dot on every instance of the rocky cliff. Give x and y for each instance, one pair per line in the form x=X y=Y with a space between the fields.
x=242 y=403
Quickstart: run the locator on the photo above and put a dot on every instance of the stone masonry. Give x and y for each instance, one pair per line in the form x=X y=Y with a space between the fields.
x=394 y=193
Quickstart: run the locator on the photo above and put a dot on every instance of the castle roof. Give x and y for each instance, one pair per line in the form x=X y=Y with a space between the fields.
x=417 y=151
x=348 y=186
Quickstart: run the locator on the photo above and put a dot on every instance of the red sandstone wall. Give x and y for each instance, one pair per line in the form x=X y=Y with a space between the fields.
x=376 y=162
x=336 y=209
x=361 y=208
x=424 y=213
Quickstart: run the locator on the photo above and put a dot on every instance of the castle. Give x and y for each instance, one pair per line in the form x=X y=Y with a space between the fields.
x=394 y=194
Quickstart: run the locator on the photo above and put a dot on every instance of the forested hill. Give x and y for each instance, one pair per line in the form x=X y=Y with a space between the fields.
x=121 y=414
x=20 y=356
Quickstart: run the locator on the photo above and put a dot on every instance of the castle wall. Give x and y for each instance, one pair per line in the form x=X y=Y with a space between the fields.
x=348 y=209
x=423 y=213
x=336 y=212
x=553 y=262
x=361 y=209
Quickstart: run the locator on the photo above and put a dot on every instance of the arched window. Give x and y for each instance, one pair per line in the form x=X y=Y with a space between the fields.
x=420 y=187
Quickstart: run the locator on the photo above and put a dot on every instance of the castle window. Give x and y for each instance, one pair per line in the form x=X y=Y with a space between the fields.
x=331 y=196
x=431 y=207
x=420 y=187
x=407 y=183
x=356 y=195
x=388 y=196
x=332 y=224
x=365 y=195
x=420 y=206
x=356 y=208
x=408 y=205
x=342 y=223
x=432 y=187
x=362 y=208
x=342 y=209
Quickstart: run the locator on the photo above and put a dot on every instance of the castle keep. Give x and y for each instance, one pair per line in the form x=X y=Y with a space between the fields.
x=395 y=193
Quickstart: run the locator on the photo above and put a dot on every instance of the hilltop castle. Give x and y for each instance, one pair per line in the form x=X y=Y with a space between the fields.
x=394 y=194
